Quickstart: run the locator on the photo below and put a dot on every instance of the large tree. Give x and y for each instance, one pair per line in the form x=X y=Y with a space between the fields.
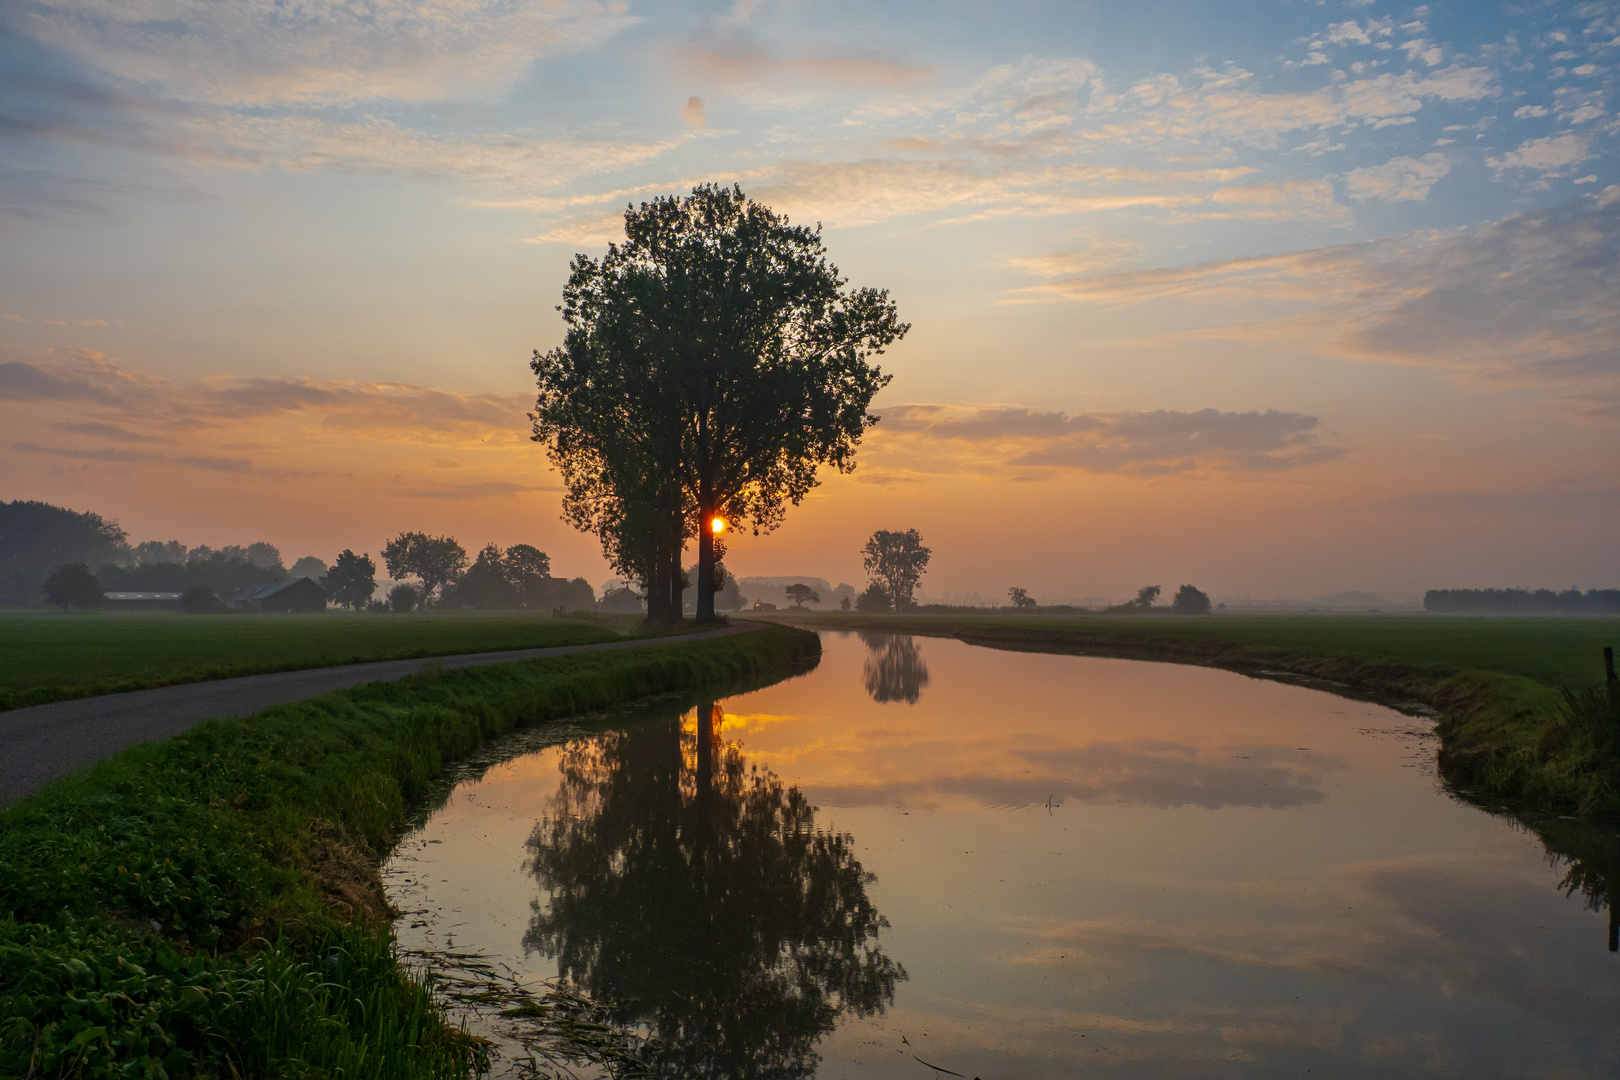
x=435 y=561
x=712 y=363
x=896 y=561
x=352 y=579
x=73 y=585
x=37 y=537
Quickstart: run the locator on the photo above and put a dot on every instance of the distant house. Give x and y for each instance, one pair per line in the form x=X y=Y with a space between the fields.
x=764 y=605
x=623 y=601
x=294 y=594
x=142 y=601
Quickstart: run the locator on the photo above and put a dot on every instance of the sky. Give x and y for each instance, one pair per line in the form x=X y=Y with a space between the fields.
x=1278 y=299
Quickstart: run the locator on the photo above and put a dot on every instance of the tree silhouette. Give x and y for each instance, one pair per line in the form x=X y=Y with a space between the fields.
x=433 y=560
x=712 y=363
x=894 y=669
x=73 y=585
x=692 y=893
x=896 y=560
x=1190 y=600
x=802 y=594
x=352 y=579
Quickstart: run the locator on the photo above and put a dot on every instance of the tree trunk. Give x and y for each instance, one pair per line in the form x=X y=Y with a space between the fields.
x=705 y=581
x=657 y=592
x=677 y=600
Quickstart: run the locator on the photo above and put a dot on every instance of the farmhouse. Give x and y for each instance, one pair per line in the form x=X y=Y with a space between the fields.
x=296 y=594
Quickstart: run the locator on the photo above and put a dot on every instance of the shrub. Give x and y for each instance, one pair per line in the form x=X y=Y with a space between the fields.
x=403 y=599
x=200 y=600
x=73 y=585
x=875 y=598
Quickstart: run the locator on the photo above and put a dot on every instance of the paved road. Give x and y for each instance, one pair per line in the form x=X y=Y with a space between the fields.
x=43 y=742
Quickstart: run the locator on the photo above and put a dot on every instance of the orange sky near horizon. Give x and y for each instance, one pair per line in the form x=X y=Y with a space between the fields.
x=1280 y=302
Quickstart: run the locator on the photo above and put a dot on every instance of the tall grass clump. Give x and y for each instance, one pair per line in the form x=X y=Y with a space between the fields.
x=209 y=906
x=1578 y=754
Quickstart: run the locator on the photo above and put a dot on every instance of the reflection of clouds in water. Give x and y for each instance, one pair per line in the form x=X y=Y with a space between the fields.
x=1142 y=772
x=983 y=1039
x=1420 y=946
x=894 y=669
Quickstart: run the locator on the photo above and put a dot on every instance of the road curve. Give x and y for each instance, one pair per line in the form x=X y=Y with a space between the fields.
x=42 y=742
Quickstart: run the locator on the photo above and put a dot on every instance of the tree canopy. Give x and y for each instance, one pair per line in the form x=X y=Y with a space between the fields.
x=433 y=560
x=803 y=594
x=712 y=363
x=73 y=585
x=896 y=561
x=352 y=579
x=36 y=537
x=1190 y=600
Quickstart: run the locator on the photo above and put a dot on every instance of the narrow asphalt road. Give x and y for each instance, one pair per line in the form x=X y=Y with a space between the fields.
x=43 y=742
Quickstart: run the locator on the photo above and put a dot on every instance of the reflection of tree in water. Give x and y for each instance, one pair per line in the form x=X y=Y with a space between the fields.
x=895 y=670
x=1589 y=856
x=692 y=893
x=1591 y=860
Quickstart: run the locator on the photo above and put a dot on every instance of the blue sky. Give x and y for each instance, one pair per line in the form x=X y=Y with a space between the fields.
x=1336 y=279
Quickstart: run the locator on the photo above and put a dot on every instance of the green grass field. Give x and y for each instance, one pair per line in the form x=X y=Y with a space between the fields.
x=49 y=656
x=1551 y=651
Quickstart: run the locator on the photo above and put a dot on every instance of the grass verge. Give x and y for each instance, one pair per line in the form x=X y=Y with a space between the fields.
x=209 y=906
x=1519 y=714
x=49 y=656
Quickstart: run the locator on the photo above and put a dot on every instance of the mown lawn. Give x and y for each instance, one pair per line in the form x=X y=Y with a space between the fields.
x=48 y=656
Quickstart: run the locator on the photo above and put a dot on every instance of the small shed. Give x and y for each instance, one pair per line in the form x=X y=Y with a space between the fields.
x=294 y=594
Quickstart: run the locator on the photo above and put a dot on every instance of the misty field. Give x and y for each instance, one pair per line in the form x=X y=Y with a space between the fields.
x=48 y=656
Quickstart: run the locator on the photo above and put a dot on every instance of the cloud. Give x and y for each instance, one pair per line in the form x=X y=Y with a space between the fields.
x=1099 y=253
x=1398 y=178
x=140 y=457
x=693 y=112
x=307 y=143
x=120 y=457
x=401 y=412
x=22 y=381
x=1224 y=106
x=742 y=61
x=260 y=52
x=1550 y=155
x=1144 y=444
x=1525 y=301
x=104 y=431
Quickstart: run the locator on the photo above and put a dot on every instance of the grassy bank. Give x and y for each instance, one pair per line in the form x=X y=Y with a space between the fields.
x=1507 y=726
x=49 y=656
x=209 y=906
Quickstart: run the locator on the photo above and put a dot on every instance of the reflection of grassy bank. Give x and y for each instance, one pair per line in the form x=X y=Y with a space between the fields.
x=1496 y=682
x=210 y=904
x=48 y=656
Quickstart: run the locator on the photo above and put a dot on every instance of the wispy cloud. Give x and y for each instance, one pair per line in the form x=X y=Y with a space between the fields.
x=1144 y=444
x=1525 y=301
x=260 y=52
x=1398 y=178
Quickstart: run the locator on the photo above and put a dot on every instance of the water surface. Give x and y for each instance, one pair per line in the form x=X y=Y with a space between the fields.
x=923 y=853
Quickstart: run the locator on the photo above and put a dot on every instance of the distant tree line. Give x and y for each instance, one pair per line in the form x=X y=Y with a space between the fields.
x=1523 y=601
